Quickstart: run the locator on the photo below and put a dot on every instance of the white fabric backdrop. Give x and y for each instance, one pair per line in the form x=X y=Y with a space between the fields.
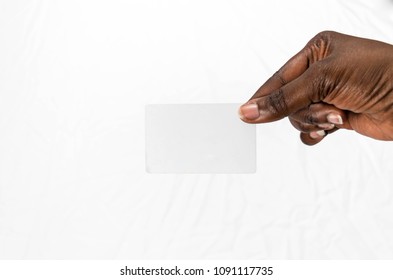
x=74 y=80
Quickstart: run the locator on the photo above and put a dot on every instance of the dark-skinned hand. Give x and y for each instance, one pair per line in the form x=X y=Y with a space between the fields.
x=336 y=81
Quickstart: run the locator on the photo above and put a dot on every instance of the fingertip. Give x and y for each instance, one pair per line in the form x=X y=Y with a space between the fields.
x=307 y=139
x=339 y=119
x=249 y=112
x=335 y=118
x=317 y=134
x=315 y=137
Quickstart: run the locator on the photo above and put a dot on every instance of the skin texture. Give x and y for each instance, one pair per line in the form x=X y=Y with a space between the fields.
x=336 y=81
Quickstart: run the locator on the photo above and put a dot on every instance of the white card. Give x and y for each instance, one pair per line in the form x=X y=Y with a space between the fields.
x=198 y=138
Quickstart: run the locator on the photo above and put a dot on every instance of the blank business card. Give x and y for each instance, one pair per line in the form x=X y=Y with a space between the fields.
x=198 y=138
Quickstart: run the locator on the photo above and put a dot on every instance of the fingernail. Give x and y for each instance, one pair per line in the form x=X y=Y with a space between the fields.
x=249 y=111
x=326 y=126
x=335 y=119
x=317 y=134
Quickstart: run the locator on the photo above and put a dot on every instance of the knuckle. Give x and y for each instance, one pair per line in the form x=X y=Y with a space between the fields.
x=318 y=47
x=321 y=81
x=278 y=76
x=325 y=35
x=276 y=103
x=303 y=127
x=310 y=118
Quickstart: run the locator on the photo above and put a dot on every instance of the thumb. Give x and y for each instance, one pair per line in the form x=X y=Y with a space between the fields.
x=282 y=102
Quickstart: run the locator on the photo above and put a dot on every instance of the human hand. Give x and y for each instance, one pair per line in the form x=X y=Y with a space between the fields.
x=336 y=81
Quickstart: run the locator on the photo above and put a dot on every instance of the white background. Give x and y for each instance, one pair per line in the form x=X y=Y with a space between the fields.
x=74 y=80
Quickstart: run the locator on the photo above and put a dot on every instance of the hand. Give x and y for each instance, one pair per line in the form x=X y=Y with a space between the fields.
x=336 y=81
